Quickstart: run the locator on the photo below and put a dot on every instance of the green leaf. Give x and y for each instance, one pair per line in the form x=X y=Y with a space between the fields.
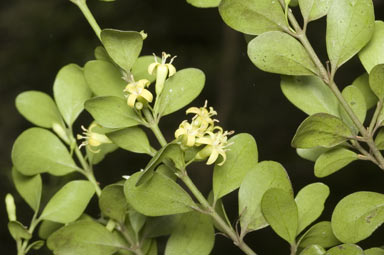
x=29 y=188
x=356 y=101
x=132 y=139
x=374 y=251
x=253 y=17
x=309 y=94
x=320 y=234
x=313 y=250
x=137 y=220
x=357 y=216
x=278 y=52
x=179 y=90
x=47 y=228
x=204 y=3
x=112 y=112
x=362 y=83
x=160 y=226
x=314 y=9
x=311 y=154
x=241 y=158
x=37 y=245
x=376 y=81
x=71 y=91
x=310 y=203
x=140 y=68
x=104 y=79
x=101 y=54
x=346 y=249
x=158 y=196
x=112 y=202
x=37 y=150
x=193 y=235
x=83 y=238
x=264 y=176
x=373 y=53
x=280 y=211
x=18 y=231
x=69 y=202
x=123 y=47
x=333 y=160
x=38 y=108
x=321 y=129
x=170 y=154
x=350 y=25
x=379 y=140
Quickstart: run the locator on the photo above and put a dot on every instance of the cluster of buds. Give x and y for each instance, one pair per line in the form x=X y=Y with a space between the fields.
x=137 y=93
x=202 y=131
x=92 y=139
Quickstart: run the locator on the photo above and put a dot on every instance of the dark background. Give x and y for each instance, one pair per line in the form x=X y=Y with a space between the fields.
x=38 y=37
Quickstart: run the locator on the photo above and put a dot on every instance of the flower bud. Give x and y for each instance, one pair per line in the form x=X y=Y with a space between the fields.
x=11 y=207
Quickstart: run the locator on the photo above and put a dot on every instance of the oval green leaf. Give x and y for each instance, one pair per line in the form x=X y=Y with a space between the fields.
x=278 y=52
x=309 y=94
x=29 y=188
x=18 y=231
x=204 y=3
x=112 y=112
x=69 y=202
x=253 y=17
x=104 y=79
x=112 y=202
x=158 y=196
x=321 y=129
x=379 y=140
x=350 y=25
x=264 y=176
x=179 y=90
x=310 y=203
x=83 y=238
x=280 y=211
x=333 y=160
x=356 y=101
x=70 y=91
x=376 y=81
x=38 y=108
x=123 y=47
x=314 y=9
x=373 y=53
x=374 y=251
x=47 y=228
x=193 y=235
x=362 y=83
x=319 y=234
x=311 y=154
x=37 y=150
x=346 y=249
x=131 y=139
x=357 y=216
x=241 y=158
x=313 y=250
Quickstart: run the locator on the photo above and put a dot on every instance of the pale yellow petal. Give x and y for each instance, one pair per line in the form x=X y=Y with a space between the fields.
x=190 y=140
x=194 y=110
x=171 y=70
x=213 y=157
x=131 y=100
x=180 y=132
x=147 y=95
x=152 y=68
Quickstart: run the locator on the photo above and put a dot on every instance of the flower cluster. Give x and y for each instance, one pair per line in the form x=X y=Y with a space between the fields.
x=201 y=131
x=137 y=93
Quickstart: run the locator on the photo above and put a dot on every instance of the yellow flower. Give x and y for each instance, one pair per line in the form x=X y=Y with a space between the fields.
x=137 y=91
x=216 y=145
x=203 y=116
x=92 y=139
x=189 y=133
x=162 y=71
